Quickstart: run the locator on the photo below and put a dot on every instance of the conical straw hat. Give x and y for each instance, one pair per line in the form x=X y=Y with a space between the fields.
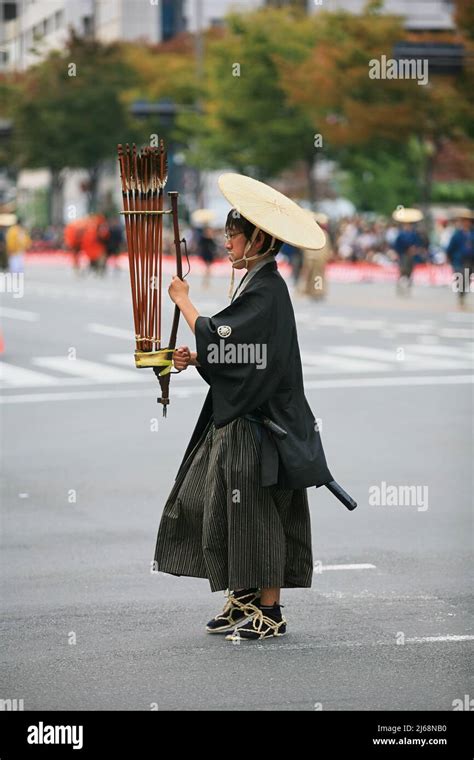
x=271 y=211
x=7 y=220
x=407 y=215
x=463 y=213
x=202 y=216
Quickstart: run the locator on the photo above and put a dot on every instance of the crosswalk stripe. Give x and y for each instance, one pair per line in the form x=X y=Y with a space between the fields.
x=87 y=370
x=394 y=380
x=455 y=316
x=124 y=359
x=82 y=372
x=188 y=391
x=460 y=352
x=448 y=637
x=361 y=566
x=12 y=376
x=332 y=360
x=414 y=327
x=377 y=354
x=88 y=395
x=25 y=316
x=408 y=362
x=112 y=332
x=428 y=339
x=78 y=290
x=315 y=364
x=422 y=327
x=456 y=332
x=330 y=321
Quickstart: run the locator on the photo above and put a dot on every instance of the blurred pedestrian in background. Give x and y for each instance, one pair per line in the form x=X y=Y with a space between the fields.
x=312 y=278
x=6 y=221
x=113 y=241
x=407 y=244
x=94 y=240
x=294 y=256
x=460 y=252
x=17 y=241
x=73 y=233
x=346 y=238
x=204 y=244
x=207 y=249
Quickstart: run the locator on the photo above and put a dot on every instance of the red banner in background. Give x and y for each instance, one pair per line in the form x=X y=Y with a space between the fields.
x=337 y=271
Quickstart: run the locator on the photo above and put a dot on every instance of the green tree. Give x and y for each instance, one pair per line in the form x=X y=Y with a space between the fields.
x=380 y=181
x=69 y=113
x=368 y=120
x=8 y=93
x=248 y=122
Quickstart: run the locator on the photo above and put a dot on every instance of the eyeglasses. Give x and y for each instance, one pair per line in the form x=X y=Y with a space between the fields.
x=229 y=237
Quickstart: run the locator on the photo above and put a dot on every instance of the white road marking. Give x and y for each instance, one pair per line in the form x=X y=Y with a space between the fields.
x=84 y=369
x=318 y=363
x=428 y=339
x=382 y=382
x=456 y=332
x=330 y=321
x=377 y=354
x=81 y=290
x=460 y=352
x=367 y=324
x=124 y=359
x=448 y=637
x=112 y=332
x=363 y=566
x=12 y=376
x=410 y=361
x=454 y=316
x=187 y=391
x=94 y=395
x=414 y=327
x=331 y=360
x=423 y=328
x=25 y=316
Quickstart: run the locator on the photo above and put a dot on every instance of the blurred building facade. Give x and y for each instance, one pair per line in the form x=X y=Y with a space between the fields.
x=420 y=15
x=42 y=25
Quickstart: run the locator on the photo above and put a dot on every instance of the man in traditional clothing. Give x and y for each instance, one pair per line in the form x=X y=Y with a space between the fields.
x=460 y=253
x=313 y=277
x=238 y=512
x=407 y=243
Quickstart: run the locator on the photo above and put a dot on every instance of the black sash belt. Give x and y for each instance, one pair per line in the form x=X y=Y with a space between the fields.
x=270 y=459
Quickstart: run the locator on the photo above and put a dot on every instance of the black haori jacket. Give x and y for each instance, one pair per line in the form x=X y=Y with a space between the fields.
x=249 y=355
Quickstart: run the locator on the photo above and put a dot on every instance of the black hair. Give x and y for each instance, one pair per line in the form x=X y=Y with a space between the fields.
x=235 y=222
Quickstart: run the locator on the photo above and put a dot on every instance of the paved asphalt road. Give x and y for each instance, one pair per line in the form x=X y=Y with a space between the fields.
x=387 y=623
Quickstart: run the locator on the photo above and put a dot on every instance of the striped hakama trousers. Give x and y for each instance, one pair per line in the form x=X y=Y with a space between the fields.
x=220 y=523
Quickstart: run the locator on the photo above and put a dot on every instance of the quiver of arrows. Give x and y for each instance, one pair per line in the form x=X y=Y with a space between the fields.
x=143 y=175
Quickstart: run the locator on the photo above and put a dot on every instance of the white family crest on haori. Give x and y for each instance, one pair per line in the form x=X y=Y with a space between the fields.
x=224 y=331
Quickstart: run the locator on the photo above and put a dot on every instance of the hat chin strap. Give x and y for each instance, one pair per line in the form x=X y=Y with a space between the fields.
x=249 y=258
x=248 y=247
